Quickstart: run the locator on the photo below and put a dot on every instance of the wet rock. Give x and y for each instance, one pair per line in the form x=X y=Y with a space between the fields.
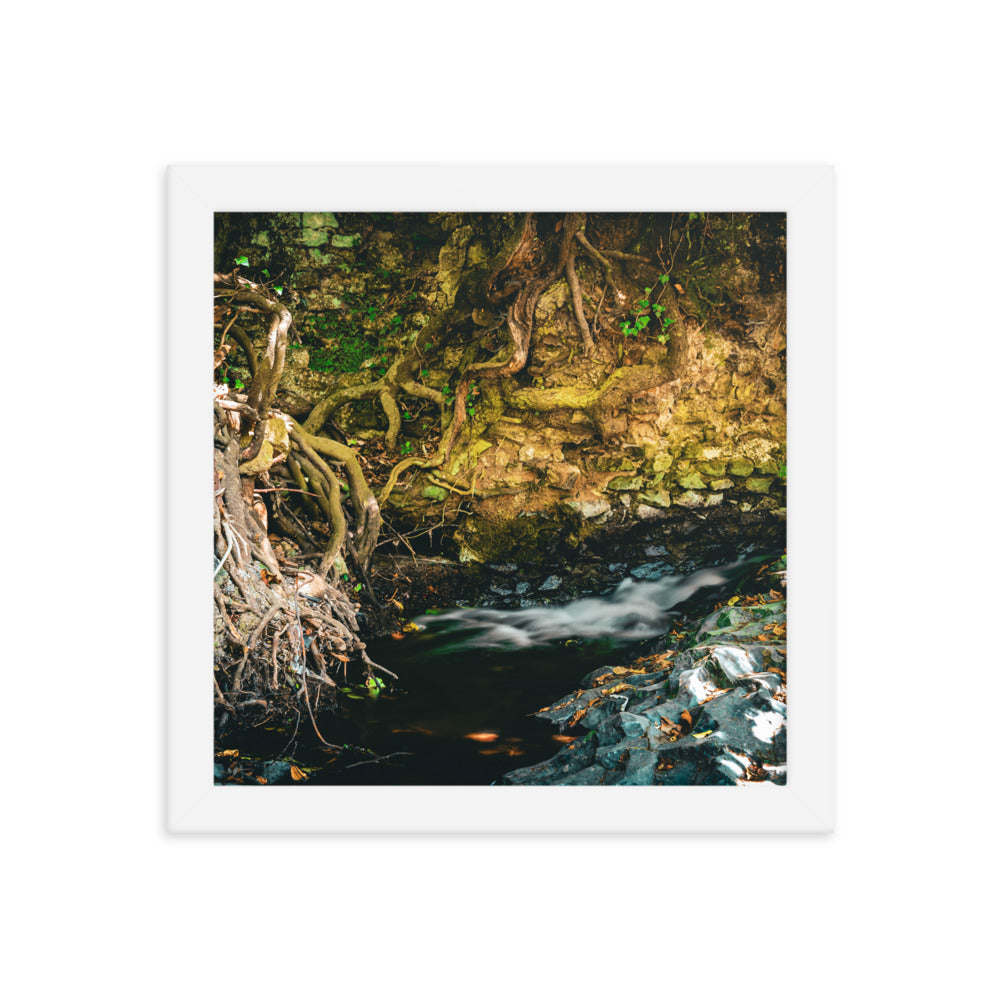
x=709 y=714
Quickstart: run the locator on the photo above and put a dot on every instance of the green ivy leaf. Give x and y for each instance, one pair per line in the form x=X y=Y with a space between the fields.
x=664 y=278
x=279 y=288
x=242 y=261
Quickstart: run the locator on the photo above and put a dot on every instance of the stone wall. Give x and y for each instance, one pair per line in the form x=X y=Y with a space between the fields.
x=682 y=439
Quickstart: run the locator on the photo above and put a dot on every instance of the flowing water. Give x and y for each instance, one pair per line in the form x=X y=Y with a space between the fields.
x=470 y=679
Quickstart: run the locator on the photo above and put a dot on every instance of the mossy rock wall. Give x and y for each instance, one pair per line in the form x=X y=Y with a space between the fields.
x=685 y=438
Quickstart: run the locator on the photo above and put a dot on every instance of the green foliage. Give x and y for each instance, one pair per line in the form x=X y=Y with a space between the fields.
x=343 y=338
x=242 y=262
x=646 y=311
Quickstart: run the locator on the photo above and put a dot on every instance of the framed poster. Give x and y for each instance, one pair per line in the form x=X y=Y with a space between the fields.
x=510 y=465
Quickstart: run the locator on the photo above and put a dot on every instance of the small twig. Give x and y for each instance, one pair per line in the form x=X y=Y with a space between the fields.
x=378 y=760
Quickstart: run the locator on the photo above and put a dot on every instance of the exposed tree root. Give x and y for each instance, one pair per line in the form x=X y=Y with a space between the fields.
x=275 y=626
x=275 y=615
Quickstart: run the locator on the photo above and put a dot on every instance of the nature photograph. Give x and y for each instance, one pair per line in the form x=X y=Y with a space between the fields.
x=500 y=498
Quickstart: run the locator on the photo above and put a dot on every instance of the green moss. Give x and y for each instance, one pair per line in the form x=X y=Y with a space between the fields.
x=692 y=481
x=759 y=485
x=712 y=468
x=314 y=237
x=521 y=540
x=740 y=467
x=320 y=258
x=625 y=483
x=319 y=220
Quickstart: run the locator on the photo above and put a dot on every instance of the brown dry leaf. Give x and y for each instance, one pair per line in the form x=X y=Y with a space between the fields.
x=601 y=679
x=261 y=780
x=482 y=737
x=622 y=670
x=228 y=753
x=618 y=687
x=560 y=738
x=686 y=716
x=397 y=635
x=577 y=716
x=297 y=773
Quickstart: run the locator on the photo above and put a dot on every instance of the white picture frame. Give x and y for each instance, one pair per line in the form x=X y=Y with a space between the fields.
x=805 y=804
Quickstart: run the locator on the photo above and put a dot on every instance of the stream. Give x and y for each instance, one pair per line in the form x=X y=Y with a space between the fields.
x=470 y=680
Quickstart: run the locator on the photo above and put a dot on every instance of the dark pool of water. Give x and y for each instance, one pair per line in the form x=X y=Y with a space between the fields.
x=461 y=712
x=459 y=718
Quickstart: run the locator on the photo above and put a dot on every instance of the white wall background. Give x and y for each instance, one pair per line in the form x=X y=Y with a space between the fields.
x=98 y=98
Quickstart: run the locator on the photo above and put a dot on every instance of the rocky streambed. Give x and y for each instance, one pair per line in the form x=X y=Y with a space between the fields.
x=711 y=712
x=664 y=679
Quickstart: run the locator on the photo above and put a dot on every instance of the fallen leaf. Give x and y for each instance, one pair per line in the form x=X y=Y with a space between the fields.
x=686 y=716
x=482 y=737
x=618 y=687
x=397 y=635
x=297 y=773
x=701 y=736
x=261 y=780
x=228 y=753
